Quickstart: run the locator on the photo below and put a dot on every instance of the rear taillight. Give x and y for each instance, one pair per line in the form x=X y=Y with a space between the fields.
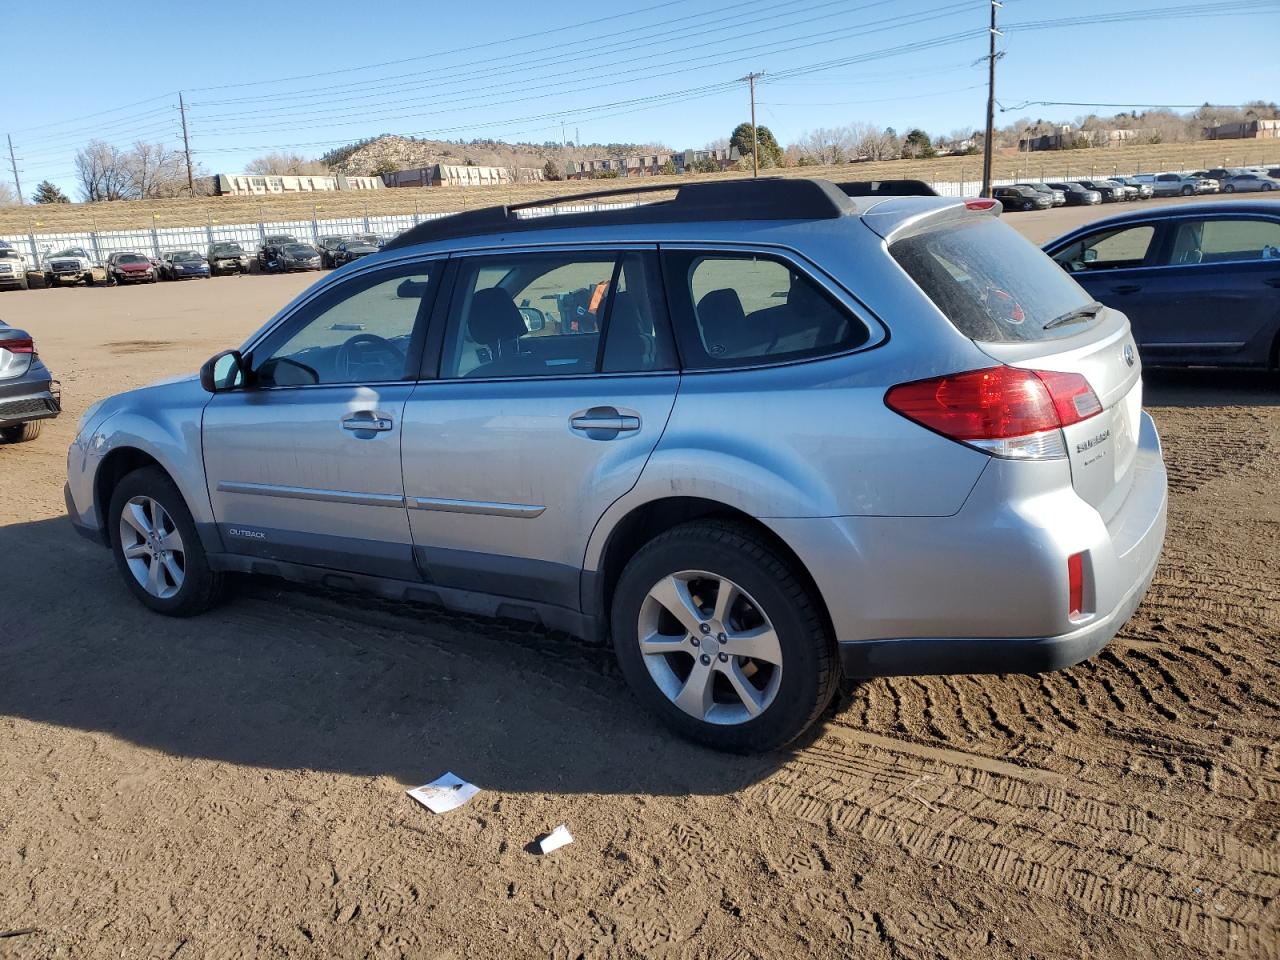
x=1075 y=585
x=18 y=345
x=1006 y=411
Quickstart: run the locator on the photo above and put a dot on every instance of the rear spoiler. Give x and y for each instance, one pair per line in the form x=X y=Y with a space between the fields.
x=887 y=188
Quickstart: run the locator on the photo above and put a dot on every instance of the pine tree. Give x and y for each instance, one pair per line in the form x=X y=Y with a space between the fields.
x=47 y=192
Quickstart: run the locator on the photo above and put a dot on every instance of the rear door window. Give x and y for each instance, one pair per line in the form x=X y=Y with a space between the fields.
x=1225 y=241
x=735 y=308
x=557 y=314
x=992 y=284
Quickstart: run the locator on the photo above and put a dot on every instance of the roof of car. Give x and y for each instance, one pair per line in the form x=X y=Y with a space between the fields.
x=769 y=198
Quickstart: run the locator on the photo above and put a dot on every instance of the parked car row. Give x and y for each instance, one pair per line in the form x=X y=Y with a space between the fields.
x=278 y=253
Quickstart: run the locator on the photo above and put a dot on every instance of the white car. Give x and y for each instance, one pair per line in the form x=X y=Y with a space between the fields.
x=1180 y=184
x=13 y=268
x=1250 y=182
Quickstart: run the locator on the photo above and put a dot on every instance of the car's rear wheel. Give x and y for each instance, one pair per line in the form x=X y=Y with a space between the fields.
x=1228 y=189
x=157 y=547
x=719 y=636
x=21 y=432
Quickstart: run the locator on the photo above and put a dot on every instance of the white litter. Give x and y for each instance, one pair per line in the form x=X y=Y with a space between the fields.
x=557 y=838
x=445 y=794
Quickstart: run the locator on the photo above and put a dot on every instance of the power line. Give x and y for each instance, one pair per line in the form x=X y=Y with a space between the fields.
x=987 y=145
x=564 y=78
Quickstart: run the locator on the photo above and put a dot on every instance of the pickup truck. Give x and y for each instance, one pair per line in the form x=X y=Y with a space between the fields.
x=13 y=268
x=73 y=264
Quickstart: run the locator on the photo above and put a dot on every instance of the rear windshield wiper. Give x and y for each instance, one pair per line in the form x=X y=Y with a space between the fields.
x=1087 y=312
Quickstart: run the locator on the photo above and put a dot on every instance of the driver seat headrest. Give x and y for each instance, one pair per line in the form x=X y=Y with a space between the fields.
x=494 y=317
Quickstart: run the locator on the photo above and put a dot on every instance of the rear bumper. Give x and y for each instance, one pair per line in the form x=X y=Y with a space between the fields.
x=986 y=590
x=28 y=400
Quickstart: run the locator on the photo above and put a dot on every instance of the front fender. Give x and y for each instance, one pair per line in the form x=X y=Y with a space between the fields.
x=162 y=422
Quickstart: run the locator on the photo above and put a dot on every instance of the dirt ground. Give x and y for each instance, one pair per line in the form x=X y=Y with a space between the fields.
x=234 y=785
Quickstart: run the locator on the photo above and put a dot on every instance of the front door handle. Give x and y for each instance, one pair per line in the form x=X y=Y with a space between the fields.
x=367 y=422
x=604 y=423
x=1126 y=288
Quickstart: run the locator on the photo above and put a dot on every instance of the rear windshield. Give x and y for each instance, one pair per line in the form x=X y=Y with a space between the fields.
x=993 y=285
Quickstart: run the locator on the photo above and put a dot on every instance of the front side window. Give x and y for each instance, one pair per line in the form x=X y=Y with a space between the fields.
x=1108 y=249
x=739 y=308
x=556 y=314
x=358 y=332
x=1222 y=241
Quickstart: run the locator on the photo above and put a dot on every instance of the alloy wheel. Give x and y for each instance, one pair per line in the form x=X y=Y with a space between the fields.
x=709 y=647
x=152 y=547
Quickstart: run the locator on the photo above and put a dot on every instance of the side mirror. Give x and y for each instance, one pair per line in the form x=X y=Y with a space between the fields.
x=223 y=371
x=1089 y=256
x=534 y=319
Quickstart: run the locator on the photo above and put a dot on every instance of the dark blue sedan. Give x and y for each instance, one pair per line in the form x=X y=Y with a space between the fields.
x=1199 y=282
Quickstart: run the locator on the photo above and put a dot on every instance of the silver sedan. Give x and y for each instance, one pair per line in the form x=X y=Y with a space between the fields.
x=1250 y=182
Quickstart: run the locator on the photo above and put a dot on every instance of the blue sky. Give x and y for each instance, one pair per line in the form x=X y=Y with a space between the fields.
x=302 y=77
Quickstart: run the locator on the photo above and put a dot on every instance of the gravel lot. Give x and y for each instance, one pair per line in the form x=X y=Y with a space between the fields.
x=234 y=785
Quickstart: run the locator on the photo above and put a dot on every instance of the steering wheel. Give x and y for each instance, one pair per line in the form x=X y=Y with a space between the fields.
x=361 y=350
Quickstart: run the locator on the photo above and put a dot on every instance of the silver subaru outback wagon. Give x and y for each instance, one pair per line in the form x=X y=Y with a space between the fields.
x=763 y=434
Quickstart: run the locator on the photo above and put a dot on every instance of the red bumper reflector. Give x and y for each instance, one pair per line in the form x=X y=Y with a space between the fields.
x=1075 y=585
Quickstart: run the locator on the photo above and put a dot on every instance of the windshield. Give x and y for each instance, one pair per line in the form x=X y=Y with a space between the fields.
x=132 y=258
x=184 y=256
x=992 y=284
x=299 y=250
x=227 y=248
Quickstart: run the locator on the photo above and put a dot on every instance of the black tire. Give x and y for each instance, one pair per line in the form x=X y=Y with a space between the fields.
x=22 y=432
x=22 y=283
x=1188 y=191
x=202 y=587
x=1228 y=189
x=809 y=675
x=1266 y=188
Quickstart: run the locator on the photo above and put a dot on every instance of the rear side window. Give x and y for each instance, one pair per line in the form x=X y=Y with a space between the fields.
x=557 y=314
x=1221 y=241
x=993 y=285
x=744 y=308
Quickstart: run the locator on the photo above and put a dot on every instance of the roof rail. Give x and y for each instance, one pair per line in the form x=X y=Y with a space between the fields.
x=771 y=198
x=887 y=188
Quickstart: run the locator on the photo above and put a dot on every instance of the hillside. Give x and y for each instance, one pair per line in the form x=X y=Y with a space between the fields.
x=136 y=214
x=390 y=152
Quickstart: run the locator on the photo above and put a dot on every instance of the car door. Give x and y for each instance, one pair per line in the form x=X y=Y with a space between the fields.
x=1214 y=296
x=1114 y=265
x=555 y=376
x=303 y=461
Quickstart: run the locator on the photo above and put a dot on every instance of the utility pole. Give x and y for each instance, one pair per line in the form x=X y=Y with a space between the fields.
x=751 y=79
x=186 y=144
x=14 y=163
x=987 y=143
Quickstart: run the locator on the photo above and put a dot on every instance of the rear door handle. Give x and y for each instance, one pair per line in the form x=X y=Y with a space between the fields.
x=618 y=423
x=1126 y=288
x=367 y=421
x=603 y=423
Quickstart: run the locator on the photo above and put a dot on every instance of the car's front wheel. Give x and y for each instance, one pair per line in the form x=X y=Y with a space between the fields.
x=721 y=638
x=1229 y=189
x=1187 y=191
x=157 y=547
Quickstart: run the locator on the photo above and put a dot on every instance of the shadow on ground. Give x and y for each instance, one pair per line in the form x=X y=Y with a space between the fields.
x=1210 y=388
x=286 y=678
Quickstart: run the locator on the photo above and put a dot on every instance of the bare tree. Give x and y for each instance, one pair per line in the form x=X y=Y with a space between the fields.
x=7 y=196
x=285 y=164
x=869 y=142
x=103 y=172
x=827 y=144
x=155 y=171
